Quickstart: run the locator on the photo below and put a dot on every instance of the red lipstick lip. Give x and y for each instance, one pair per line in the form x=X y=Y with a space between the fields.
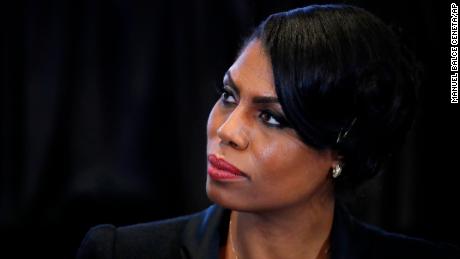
x=220 y=169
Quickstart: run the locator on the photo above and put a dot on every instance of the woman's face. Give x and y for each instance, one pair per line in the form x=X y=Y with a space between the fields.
x=245 y=128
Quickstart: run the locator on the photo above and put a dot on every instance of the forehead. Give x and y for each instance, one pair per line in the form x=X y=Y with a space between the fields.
x=252 y=71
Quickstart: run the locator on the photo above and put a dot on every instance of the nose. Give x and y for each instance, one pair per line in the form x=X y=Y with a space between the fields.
x=232 y=132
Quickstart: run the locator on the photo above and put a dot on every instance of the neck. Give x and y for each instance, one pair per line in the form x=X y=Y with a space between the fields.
x=300 y=231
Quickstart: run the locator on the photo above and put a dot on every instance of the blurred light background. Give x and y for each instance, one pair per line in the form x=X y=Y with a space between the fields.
x=104 y=106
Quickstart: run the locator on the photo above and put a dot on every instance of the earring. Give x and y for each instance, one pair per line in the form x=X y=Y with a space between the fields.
x=336 y=171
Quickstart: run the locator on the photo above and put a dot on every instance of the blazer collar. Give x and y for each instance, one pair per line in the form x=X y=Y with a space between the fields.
x=346 y=240
x=207 y=230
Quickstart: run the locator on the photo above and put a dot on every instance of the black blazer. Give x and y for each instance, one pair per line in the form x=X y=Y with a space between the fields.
x=200 y=235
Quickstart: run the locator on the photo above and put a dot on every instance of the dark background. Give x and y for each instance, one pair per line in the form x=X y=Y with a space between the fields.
x=104 y=107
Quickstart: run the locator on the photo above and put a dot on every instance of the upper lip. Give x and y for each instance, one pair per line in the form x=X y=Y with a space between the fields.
x=223 y=165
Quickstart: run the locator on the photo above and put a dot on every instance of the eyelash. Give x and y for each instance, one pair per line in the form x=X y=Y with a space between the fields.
x=280 y=119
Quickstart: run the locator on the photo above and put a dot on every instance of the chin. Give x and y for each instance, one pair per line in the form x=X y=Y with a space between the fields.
x=221 y=196
x=214 y=193
x=226 y=198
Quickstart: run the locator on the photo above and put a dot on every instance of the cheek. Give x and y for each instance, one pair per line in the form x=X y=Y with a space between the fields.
x=287 y=160
x=271 y=156
x=274 y=148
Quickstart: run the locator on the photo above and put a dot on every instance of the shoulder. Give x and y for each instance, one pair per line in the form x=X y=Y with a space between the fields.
x=157 y=239
x=98 y=242
x=385 y=244
x=352 y=238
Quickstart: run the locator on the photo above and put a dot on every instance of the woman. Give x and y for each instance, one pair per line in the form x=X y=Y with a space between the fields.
x=316 y=101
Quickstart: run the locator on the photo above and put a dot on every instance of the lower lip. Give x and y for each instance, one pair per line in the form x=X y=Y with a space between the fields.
x=222 y=175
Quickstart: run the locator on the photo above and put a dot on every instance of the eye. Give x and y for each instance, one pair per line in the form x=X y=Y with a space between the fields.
x=227 y=97
x=270 y=119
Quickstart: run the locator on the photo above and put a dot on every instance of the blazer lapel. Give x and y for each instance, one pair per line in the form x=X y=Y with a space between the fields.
x=204 y=234
x=347 y=241
x=207 y=231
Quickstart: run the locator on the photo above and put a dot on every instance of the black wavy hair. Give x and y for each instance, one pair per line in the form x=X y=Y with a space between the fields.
x=344 y=81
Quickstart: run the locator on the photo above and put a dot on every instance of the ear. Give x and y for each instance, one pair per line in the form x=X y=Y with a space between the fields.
x=332 y=158
x=336 y=158
x=336 y=164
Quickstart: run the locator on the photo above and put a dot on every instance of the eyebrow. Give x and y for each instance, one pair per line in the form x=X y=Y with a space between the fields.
x=257 y=99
